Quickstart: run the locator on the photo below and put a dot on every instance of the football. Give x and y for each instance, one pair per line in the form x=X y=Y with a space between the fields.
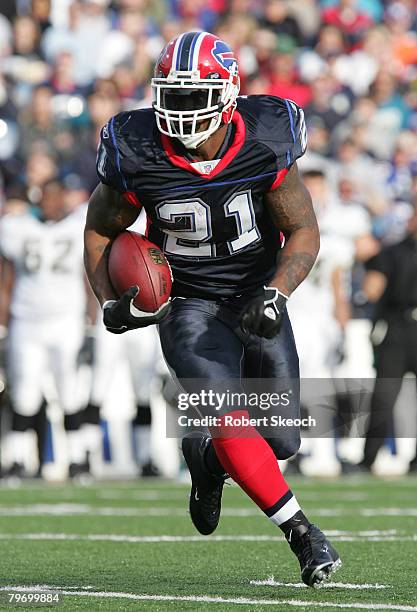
x=134 y=260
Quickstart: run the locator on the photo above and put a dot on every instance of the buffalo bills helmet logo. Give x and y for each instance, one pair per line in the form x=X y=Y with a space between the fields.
x=223 y=54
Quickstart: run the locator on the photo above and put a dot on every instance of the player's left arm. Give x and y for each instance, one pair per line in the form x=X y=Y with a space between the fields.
x=292 y=212
x=342 y=309
x=7 y=276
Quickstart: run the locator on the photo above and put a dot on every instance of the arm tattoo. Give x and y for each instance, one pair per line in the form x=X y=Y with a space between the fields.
x=108 y=213
x=294 y=268
x=290 y=205
x=292 y=212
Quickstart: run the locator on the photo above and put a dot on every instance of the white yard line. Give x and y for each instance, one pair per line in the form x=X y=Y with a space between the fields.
x=68 y=509
x=215 y=600
x=92 y=537
x=328 y=585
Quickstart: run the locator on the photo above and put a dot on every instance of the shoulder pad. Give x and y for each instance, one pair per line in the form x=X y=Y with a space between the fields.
x=125 y=142
x=276 y=122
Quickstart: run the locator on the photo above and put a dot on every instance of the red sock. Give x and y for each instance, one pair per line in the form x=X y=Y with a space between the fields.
x=249 y=460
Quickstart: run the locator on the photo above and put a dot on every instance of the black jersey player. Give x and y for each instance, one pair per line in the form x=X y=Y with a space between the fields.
x=217 y=176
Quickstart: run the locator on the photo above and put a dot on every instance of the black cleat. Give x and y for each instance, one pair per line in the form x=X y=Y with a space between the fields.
x=318 y=559
x=15 y=472
x=80 y=472
x=354 y=469
x=206 y=488
x=149 y=470
x=412 y=467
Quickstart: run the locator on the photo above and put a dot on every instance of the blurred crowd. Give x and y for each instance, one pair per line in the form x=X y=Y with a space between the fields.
x=67 y=66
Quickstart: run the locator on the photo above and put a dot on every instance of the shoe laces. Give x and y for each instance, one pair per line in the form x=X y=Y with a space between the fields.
x=211 y=500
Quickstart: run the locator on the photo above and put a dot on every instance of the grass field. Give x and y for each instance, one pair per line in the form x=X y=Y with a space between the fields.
x=125 y=546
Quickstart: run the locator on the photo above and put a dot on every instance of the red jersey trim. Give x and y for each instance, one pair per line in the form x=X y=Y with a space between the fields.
x=148 y=225
x=182 y=162
x=281 y=174
x=130 y=197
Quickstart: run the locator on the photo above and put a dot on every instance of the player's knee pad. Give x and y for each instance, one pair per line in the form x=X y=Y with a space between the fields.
x=73 y=422
x=22 y=423
x=92 y=414
x=143 y=415
x=284 y=448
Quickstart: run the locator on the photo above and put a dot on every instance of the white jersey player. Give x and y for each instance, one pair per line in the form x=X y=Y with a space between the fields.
x=45 y=287
x=318 y=310
x=325 y=292
x=141 y=350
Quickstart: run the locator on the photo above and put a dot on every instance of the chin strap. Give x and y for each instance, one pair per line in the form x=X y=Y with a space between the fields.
x=196 y=140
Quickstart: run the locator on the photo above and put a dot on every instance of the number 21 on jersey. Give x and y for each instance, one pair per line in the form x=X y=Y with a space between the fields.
x=192 y=238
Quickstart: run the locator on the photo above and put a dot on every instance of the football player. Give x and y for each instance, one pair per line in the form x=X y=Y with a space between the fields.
x=218 y=178
x=319 y=340
x=142 y=355
x=43 y=303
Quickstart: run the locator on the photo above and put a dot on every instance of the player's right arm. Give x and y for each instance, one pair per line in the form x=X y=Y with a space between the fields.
x=380 y=270
x=342 y=310
x=108 y=215
x=7 y=275
x=374 y=285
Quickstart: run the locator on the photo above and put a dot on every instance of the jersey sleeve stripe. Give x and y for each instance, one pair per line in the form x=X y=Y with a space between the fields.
x=148 y=225
x=281 y=174
x=287 y=104
x=114 y=142
x=130 y=197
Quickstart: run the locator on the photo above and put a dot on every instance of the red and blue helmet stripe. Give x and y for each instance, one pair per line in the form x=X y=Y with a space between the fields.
x=199 y=51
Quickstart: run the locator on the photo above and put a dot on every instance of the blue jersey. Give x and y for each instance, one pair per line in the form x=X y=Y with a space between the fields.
x=210 y=221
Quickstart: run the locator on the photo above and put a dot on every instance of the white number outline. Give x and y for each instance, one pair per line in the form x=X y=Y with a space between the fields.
x=173 y=242
x=240 y=220
x=244 y=215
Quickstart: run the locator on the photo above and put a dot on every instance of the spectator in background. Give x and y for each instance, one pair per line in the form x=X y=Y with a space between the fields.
x=399 y=19
x=279 y=20
x=356 y=165
x=384 y=92
x=263 y=43
x=330 y=101
x=38 y=124
x=26 y=37
x=285 y=81
x=402 y=167
x=331 y=42
x=349 y=18
x=41 y=12
x=41 y=168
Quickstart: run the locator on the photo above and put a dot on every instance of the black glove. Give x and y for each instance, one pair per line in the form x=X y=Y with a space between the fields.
x=263 y=315
x=122 y=315
x=86 y=353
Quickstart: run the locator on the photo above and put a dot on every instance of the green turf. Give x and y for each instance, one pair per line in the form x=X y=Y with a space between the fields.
x=207 y=567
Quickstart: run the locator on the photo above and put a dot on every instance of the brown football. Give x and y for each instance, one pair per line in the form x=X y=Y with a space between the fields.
x=134 y=260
